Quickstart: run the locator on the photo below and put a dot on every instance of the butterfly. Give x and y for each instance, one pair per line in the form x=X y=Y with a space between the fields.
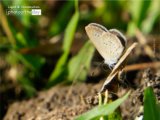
x=111 y=44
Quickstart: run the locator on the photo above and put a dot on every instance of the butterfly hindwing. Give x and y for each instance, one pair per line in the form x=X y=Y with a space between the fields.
x=112 y=47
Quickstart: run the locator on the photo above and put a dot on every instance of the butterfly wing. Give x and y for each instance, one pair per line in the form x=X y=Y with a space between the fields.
x=120 y=36
x=94 y=31
x=112 y=47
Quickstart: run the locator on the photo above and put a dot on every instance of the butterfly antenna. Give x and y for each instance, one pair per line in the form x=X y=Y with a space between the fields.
x=97 y=67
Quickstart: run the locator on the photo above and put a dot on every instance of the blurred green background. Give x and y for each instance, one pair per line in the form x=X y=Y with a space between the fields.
x=22 y=32
x=35 y=50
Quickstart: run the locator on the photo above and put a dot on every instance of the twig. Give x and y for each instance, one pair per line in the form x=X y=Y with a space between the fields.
x=142 y=66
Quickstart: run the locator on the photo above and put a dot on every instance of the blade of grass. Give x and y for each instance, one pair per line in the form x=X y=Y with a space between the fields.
x=27 y=85
x=83 y=58
x=34 y=63
x=151 y=105
x=114 y=116
x=148 y=23
x=6 y=27
x=60 y=22
x=103 y=110
x=68 y=38
x=138 y=11
x=24 y=18
x=71 y=28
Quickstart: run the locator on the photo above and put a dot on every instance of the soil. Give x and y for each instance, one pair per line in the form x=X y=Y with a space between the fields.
x=66 y=102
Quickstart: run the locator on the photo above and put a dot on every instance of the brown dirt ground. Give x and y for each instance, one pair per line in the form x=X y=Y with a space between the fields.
x=62 y=102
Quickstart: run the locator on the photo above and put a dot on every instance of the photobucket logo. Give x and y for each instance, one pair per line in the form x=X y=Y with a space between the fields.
x=32 y=12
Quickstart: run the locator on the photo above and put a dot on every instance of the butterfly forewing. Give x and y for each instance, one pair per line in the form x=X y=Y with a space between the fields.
x=95 y=34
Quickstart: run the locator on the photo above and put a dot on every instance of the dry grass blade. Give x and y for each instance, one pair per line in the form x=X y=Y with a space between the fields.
x=119 y=66
x=6 y=26
x=142 y=66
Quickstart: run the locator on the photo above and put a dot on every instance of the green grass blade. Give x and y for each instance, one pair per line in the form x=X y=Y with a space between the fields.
x=61 y=19
x=34 y=63
x=148 y=24
x=70 y=31
x=27 y=85
x=114 y=116
x=81 y=61
x=103 y=110
x=68 y=38
x=138 y=11
x=151 y=105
